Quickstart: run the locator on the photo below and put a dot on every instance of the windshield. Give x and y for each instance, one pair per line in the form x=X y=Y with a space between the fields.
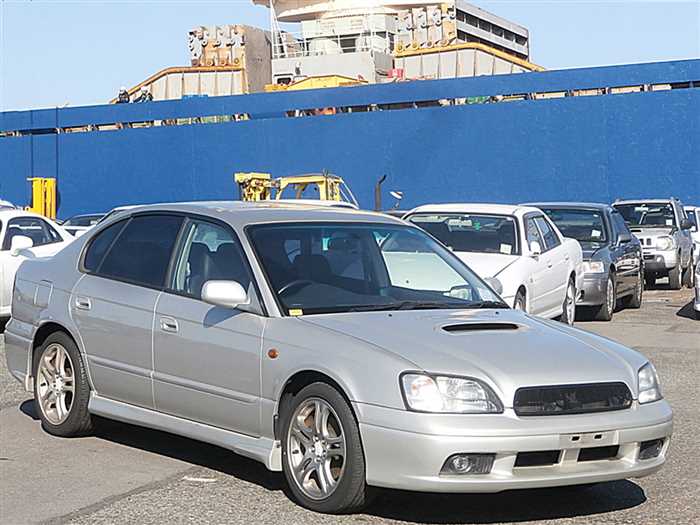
x=471 y=233
x=649 y=215
x=340 y=267
x=83 y=220
x=583 y=225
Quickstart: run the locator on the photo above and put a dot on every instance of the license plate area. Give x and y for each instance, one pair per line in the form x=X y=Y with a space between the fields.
x=589 y=439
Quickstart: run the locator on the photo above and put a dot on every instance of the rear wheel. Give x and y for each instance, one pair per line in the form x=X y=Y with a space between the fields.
x=520 y=302
x=569 y=307
x=674 y=278
x=689 y=276
x=635 y=300
x=61 y=389
x=606 y=310
x=322 y=455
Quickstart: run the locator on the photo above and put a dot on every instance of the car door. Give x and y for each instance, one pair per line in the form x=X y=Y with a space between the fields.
x=206 y=357
x=626 y=255
x=555 y=258
x=113 y=304
x=538 y=269
x=46 y=241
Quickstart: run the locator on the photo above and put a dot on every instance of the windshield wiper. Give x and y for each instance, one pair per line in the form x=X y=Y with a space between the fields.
x=408 y=305
x=488 y=304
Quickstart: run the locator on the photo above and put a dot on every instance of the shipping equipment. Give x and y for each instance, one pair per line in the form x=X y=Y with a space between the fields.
x=255 y=186
x=43 y=196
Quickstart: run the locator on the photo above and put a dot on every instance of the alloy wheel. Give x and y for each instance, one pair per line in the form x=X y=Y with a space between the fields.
x=570 y=303
x=317 y=448
x=610 y=296
x=55 y=384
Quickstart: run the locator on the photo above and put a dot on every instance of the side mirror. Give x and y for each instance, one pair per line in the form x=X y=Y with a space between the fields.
x=19 y=243
x=228 y=294
x=624 y=238
x=535 y=249
x=686 y=224
x=494 y=283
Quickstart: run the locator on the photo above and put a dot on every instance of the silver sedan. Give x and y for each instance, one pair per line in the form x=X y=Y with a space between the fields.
x=348 y=349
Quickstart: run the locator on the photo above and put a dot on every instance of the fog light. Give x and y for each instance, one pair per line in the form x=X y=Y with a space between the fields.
x=468 y=464
x=650 y=449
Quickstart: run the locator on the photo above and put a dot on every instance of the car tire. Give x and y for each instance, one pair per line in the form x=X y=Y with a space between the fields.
x=649 y=281
x=61 y=387
x=689 y=276
x=635 y=300
x=520 y=302
x=303 y=469
x=606 y=310
x=568 y=315
x=674 y=278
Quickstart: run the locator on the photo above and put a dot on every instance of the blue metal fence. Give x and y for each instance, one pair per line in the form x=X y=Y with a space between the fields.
x=580 y=148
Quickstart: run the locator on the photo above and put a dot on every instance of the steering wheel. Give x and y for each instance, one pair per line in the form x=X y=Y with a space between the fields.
x=294 y=284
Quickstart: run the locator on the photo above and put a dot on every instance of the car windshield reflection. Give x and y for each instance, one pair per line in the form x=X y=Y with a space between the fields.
x=331 y=268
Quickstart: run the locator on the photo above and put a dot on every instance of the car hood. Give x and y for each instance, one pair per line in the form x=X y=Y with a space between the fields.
x=590 y=249
x=651 y=232
x=487 y=264
x=506 y=348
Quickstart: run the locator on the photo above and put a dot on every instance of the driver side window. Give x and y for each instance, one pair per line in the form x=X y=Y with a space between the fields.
x=210 y=252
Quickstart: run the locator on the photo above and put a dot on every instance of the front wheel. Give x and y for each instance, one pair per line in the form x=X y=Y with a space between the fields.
x=606 y=310
x=322 y=454
x=520 y=302
x=674 y=278
x=569 y=307
x=61 y=389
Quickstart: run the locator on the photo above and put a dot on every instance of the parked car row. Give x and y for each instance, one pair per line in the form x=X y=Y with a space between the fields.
x=348 y=349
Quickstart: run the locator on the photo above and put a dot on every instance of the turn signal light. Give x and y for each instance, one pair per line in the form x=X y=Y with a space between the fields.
x=460 y=464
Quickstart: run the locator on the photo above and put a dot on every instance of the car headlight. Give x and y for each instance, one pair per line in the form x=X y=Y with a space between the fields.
x=448 y=394
x=649 y=388
x=593 y=267
x=664 y=243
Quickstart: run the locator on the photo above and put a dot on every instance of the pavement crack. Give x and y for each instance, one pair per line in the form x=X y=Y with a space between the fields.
x=106 y=502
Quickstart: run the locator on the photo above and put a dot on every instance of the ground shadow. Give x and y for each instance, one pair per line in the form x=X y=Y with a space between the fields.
x=511 y=506
x=688 y=311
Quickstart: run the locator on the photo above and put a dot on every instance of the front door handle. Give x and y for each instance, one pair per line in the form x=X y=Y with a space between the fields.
x=549 y=264
x=168 y=324
x=83 y=303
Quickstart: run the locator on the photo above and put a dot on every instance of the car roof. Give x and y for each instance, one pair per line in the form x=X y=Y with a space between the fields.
x=571 y=204
x=11 y=213
x=238 y=213
x=475 y=207
x=650 y=201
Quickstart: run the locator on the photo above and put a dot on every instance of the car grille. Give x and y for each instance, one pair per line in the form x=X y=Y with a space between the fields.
x=571 y=399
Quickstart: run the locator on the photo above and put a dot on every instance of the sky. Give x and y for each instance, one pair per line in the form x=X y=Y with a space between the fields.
x=58 y=53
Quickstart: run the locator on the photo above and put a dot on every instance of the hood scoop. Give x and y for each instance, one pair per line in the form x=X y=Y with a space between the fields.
x=478 y=327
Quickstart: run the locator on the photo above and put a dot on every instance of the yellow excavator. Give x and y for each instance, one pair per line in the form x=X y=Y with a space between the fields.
x=324 y=186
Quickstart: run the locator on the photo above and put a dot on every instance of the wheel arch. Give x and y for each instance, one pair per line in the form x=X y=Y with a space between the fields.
x=302 y=378
x=46 y=328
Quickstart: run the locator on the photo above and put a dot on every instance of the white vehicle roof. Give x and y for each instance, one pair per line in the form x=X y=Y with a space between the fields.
x=11 y=213
x=469 y=207
x=240 y=213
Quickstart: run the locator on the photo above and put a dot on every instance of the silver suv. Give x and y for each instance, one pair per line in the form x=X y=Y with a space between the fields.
x=663 y=229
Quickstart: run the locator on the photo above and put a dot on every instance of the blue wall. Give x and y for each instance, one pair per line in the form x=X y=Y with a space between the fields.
x=594 y=148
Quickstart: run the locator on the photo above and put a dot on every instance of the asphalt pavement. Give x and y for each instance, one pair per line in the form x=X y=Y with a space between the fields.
x=126 y=474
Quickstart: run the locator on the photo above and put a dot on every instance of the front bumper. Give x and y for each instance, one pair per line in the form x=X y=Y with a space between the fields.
x=659 y=262
x=406 y=450
x=593 y=289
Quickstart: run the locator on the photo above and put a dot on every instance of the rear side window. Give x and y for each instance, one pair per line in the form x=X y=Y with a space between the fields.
x=551 y=239
x=141 y=252
x=100 y=245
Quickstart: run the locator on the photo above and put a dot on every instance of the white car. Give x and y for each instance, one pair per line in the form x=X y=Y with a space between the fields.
x=693 y=213
x=24 y=234
x=540 y=271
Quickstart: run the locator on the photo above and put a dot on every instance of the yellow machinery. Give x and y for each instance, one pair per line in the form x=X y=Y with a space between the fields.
x=43 y=196
x=262 y=187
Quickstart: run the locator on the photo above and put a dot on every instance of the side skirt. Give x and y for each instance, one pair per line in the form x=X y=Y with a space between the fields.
x=262 y=449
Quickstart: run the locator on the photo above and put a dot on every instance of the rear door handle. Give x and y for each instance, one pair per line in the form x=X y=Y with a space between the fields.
x=83 y=303
x=168 y=324
x=549 y=264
